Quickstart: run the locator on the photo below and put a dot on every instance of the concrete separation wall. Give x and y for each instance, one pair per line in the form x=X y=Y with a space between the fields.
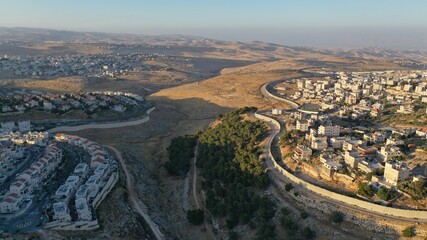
x=102 y=125
x=395 y=212
x=266 y=93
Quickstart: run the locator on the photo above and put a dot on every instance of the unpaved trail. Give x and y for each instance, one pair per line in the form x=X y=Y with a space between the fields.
x=136 y=203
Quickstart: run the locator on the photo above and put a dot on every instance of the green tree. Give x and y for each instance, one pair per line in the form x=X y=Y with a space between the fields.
x=337 y=217
x=181 y=151
x=228 y=159
x=233 y=235
x=365 y=189
x=308 y=233
x=387 y=193
x=288 y=187
x=196 y=216
x=408 y=232
x=304 y=215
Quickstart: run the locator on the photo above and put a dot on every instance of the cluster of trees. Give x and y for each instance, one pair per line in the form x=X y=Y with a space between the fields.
x=383 y=193
x=387 y=193
x=181 y=151
x=365 y=189
x=233 y=174
x=291 y=137
x=292 y=226
x=417 y=189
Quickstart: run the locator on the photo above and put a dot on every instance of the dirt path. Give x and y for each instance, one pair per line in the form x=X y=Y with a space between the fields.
x=196 y=199
x=195 y=192
x=136 y=203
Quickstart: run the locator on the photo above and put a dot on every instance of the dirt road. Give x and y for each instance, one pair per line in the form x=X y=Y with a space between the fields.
x=136 y=203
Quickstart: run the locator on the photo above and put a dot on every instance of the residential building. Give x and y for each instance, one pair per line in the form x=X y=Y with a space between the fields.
x=61 y=212
x=302 y=153
x=353 y=158
x=329 y=131
x=396 y=172
x=302 y=125
x=388 y=152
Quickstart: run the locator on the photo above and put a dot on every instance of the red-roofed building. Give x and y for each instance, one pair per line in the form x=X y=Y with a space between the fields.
x=302 y=153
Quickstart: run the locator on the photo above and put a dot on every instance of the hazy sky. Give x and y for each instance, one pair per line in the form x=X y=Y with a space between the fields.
x=324 y=23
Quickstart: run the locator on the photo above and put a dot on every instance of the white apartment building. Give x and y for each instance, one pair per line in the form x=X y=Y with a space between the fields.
x=11 y=203
x=396 y=172
x=319 y=143
x=302 y=125
x=337 y=142
x=352 y=158
x=61 y=212
x=329 y=131
x=388 y=152
x=83 y=211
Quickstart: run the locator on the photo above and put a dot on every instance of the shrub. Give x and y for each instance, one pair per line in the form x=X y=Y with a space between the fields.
x=288 y=187
x=408 y=232
x=285 y=211
x=337 y=217
x=308 y=233
x=304 y=215
x=233 y=235
x=196 y=216
x=290 y=226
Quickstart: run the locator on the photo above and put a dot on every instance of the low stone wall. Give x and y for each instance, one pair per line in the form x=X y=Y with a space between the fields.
x=387 y=211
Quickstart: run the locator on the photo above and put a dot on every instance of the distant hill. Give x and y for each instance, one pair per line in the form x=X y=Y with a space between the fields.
x=192 y=45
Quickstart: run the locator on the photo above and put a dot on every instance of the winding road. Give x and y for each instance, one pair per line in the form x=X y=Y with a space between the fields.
x=280 y=179
x=267 y=94
x=136 y=203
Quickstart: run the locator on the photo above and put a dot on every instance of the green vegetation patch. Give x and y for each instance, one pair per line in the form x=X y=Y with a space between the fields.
x=181 y=151
x=229 y=162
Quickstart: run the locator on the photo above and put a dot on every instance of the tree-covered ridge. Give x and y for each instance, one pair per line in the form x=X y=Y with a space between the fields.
x=181 y=151
x=229 y=162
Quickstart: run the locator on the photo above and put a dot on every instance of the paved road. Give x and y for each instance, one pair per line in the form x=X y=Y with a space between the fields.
x=136 y=203
x=280 y=180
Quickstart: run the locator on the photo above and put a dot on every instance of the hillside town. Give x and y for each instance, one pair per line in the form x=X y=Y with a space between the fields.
x=60 y=178
x=89 y=65
x=342 y=139
x=351 y=88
